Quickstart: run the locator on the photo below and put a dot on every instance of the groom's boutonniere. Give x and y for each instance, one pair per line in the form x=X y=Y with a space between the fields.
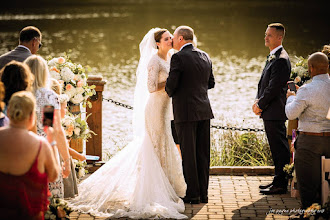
x=271 y=57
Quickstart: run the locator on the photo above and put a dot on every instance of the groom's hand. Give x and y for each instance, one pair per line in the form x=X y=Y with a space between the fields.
x=256 y=109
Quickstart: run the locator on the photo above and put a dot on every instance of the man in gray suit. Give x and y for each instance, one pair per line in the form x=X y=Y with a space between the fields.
x=29 y=43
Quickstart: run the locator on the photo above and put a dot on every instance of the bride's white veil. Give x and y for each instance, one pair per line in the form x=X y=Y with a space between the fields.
x=148 y=48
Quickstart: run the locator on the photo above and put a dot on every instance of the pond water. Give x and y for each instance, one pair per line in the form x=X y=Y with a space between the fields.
x=106 y=34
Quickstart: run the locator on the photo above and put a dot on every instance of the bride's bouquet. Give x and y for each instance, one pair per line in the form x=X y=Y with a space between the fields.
x=299 y=71
x=72 y=78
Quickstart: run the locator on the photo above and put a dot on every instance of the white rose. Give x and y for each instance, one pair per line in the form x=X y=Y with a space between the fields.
x=52 y=62
x=80 y=90
x=67 y=120
x=78 y=98
x=81 y=173
x=71 y=65
x=67 y=74
x=55 y=75
x=297 y=79
x=63 y=98
x=299 y=70
x=71 y=93
x=76 y=131
x=79 y=77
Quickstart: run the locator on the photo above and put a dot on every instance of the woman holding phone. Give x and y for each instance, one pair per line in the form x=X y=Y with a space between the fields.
x=45 y=96
x=27 y=162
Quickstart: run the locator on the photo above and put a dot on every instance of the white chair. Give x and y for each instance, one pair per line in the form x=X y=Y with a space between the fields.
x=325 y=167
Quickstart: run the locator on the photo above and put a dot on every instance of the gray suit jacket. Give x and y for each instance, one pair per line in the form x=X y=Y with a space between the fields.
x=18 y=54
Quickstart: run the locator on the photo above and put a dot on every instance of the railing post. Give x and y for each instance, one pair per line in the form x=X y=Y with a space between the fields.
x=94 y=144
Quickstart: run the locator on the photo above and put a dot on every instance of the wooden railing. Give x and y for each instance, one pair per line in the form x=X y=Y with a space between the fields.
x=94 y=144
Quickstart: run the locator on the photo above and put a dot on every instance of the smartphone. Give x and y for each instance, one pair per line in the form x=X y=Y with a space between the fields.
x=48 y=116
x=292 y=86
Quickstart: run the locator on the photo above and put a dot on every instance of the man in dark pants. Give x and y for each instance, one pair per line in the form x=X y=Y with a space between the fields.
x=29 y=43
x=311 y=106
x=189 y=79
x=270 y=105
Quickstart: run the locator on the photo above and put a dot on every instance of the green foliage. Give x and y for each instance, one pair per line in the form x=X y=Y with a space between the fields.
x=55 y=205
x=240 y=149
x=288 y=169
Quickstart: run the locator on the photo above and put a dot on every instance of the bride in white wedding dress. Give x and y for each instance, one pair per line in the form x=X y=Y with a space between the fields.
x=145 y=179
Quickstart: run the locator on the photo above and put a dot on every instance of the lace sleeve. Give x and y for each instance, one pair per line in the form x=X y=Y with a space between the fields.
x=153 y=71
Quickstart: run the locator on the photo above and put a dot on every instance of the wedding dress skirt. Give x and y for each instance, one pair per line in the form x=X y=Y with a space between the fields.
x=145 y=179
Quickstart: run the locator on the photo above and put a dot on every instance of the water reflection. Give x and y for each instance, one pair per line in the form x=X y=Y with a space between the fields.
x=106 y=34
x=18 y=17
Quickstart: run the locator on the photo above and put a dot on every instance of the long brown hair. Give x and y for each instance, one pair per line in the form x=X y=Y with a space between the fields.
x=16 y=76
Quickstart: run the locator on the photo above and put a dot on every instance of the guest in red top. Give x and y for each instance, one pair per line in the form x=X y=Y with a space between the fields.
x=27 y=162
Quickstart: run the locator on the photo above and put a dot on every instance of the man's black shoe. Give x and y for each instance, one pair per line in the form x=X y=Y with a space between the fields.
x=274 y=190
x=204 y=199
x=265 y=186
x=192 y=200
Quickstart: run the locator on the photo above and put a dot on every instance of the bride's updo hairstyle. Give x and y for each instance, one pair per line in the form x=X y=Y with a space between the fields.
x=21 y=106
x=158 y=35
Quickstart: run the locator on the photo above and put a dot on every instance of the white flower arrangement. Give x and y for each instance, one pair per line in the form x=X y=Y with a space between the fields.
x=75 y=127
x=299 y=72
x=63 y=98
x=72 y=78
x=58 y=209
x=80 y=168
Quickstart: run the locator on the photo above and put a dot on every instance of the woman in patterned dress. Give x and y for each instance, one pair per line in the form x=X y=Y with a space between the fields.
x=45 y=96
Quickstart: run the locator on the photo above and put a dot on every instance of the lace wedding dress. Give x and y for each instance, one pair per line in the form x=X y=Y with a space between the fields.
x=145 y=179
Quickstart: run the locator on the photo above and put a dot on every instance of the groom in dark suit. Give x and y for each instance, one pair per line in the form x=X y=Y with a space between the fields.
x=189 y=79
x=270 y=105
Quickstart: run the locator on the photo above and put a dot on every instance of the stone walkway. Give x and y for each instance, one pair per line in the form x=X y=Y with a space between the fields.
x=235 y=197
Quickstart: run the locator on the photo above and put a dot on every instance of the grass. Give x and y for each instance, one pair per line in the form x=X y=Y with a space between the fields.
x=228 y=148
x=234 y=148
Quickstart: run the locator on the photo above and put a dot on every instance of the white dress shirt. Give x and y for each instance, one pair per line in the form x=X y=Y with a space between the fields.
x=185 y=46
x=275 y=49
x=311 y=105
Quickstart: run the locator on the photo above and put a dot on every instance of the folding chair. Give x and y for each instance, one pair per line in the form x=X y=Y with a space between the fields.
x=325 y=167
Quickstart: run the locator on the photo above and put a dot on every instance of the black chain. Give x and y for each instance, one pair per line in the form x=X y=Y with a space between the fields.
x=237 y=129
x=212 y=126
x=118 y=103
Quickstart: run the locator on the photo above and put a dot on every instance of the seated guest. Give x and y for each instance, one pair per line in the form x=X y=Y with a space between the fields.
x=16 y=76
x=29 y=43
x=45 y=96
x=311 y=106
x=27 y=162
x=4 y=121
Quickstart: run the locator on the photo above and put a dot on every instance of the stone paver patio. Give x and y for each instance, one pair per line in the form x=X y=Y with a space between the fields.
x=235 y=197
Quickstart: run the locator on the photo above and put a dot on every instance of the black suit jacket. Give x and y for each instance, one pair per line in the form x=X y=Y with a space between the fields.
x=189 y=79
x=272 y=87
x=18 y=54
